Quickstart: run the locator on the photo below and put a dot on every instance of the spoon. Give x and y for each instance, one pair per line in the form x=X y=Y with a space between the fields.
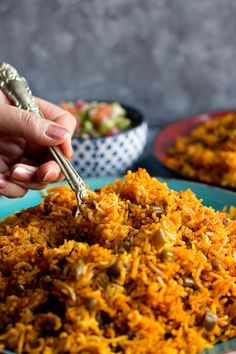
x=16 y=88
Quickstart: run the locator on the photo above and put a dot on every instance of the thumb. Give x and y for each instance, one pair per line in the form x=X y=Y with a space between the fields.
x=18 y=122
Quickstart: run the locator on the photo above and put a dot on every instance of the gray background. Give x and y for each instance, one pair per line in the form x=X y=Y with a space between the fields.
x=170 y=58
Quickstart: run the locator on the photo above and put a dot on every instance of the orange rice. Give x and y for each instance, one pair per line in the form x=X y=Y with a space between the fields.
x=142 y=269
x=208 y=153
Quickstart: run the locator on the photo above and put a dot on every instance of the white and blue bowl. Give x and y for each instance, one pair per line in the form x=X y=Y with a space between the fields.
x=111 y=155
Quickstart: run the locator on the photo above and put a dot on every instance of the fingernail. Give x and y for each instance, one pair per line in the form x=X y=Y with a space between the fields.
x=50 y=176
x=56 y=132
x=22 y=174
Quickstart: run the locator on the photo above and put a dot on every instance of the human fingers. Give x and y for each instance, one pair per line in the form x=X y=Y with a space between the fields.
x=25 y=176
x=57 y=114
x=49 y=172
x=10 y=150
x=49 y=164
x=3 y=98
x=34 y=177
x=10 y=189
x=61 y=117
x=18 y=122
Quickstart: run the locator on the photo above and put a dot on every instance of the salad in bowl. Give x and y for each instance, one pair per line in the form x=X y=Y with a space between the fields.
x=96 y=119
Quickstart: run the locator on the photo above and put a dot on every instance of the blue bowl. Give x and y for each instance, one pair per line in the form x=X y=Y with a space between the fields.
x=111 y=155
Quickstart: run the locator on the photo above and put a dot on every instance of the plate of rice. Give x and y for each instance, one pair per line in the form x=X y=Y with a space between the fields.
x=146 y=267
x=201 y=148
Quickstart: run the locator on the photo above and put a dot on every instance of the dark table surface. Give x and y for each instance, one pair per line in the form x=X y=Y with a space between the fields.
x=148 y=160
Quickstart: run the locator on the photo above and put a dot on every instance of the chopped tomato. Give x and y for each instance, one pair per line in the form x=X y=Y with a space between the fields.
x=96 y=119
x=103 y=111
x=80 y=104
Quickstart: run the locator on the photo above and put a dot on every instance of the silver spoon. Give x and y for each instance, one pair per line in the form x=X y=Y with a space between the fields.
x=17 y=90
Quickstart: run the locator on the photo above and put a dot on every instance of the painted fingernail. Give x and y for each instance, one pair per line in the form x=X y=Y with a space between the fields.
x=57 y=133
x=50 y=176
x=22 y=174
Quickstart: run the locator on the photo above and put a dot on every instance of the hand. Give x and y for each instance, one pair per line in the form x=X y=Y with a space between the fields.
x=25 y=162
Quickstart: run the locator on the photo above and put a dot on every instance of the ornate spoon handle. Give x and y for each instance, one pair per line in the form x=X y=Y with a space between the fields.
x=17 y=90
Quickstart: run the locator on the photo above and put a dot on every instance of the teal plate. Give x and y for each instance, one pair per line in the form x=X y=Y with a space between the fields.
x=212 y=196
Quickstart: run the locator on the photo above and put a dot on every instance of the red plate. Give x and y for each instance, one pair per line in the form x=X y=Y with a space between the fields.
x=167 y=136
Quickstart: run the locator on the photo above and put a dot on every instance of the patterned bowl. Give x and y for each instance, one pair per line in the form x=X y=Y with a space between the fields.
x=111 y=155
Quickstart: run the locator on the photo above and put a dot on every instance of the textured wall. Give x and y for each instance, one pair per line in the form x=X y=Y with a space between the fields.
x=170 y=58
